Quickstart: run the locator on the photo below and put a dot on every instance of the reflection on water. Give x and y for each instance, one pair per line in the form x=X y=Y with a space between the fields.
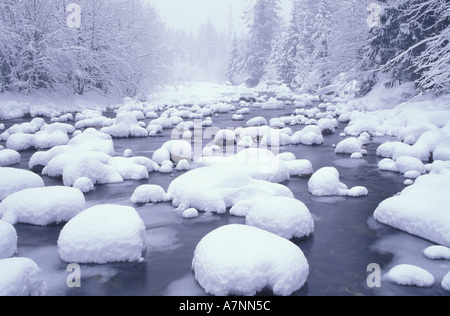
x=346 y=238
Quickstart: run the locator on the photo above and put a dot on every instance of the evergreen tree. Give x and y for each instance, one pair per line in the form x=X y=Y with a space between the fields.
x=234 y=66
x=263 y=21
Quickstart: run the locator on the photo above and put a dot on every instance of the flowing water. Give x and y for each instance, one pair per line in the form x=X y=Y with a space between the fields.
x=346 y=239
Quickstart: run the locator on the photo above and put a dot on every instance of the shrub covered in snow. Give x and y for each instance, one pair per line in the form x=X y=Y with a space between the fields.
x=243 y=260
x=102 y=234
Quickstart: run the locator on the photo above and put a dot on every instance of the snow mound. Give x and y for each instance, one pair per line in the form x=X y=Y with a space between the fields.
x=149 y=193
x=21 y=277
x=243 y=260
x=256 y=121
x=422 y=209
x=13 y=180
x=410 y=275
x=190 y=213
x=8 y=240
x=437 y=253
x=217 y=187
x=9 y=157
x=40 y=140
x=446 y=282
x=126 y=125
x=88 y=166
x=42 y=206
x=102 y=234
x=349 y=146
x=300 y=168
x=325 y=182
x=310 y=135
x=285 y=217
x=259 y=163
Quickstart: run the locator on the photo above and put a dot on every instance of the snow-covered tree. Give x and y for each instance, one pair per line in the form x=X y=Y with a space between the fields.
x=263 y=21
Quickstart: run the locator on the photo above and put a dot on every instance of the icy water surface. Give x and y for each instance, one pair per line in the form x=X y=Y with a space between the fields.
x=346 y=239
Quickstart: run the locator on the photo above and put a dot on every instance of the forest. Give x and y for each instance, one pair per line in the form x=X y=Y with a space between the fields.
x=123 y=48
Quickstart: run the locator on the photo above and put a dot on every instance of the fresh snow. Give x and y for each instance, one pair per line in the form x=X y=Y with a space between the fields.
x=243 y=260
x=42 y=206
x=102 y=234
x=8 y=240
x=13 y=180
x=21 y=277
x=9 y=157
x=325 y=182
x=149 y=193
x=421 y=209
x=410 y=275
x=283 y=216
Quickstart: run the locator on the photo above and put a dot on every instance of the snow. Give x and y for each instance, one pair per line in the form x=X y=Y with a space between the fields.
x=309 y=135
x=8 y=240
x=21 y=277
x=421 y=209
x=42 y=206
x=349 y=146
x=243 y=260
x=437 y=253
x=84 y=184
x=273 y=104
x=13 y=180
x=126 y=125
x=446 y=282
x=283 y=216
x=223 y=184
x=325 y=182
x=87 y=166
x=102 y=234
x=149 y=193
x=9 y=157
x=299 y=168
x=256 y=121
x=190 y=213
x=410 y=275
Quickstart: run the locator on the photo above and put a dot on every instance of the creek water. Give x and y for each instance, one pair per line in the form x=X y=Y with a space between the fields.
x=346 y=239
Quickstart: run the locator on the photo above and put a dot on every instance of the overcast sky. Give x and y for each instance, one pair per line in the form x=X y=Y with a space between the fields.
x=190 y=14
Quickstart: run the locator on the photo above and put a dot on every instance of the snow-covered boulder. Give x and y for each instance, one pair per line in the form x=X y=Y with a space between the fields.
x=437 y=253
x=349 y=146
x=102 y=234
x=275 y=138
x=13 y=180
x=86 y=166
x=84 y=184
x=325 y=182
x=283 y=216
x=259 y=163
x=42 y=206
x=8 y=240
x=256 y=121
x=421 y=209
x=300 y=168
x=93 y=140
x=149 y=193
x=410 y=275
x=446 y=282
x=126 y=125
x=273 y=104
x=217 y=187
x=190 y=213
x=243 y=260
x=310 y=135
x=21 y=277
x=9 y=157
